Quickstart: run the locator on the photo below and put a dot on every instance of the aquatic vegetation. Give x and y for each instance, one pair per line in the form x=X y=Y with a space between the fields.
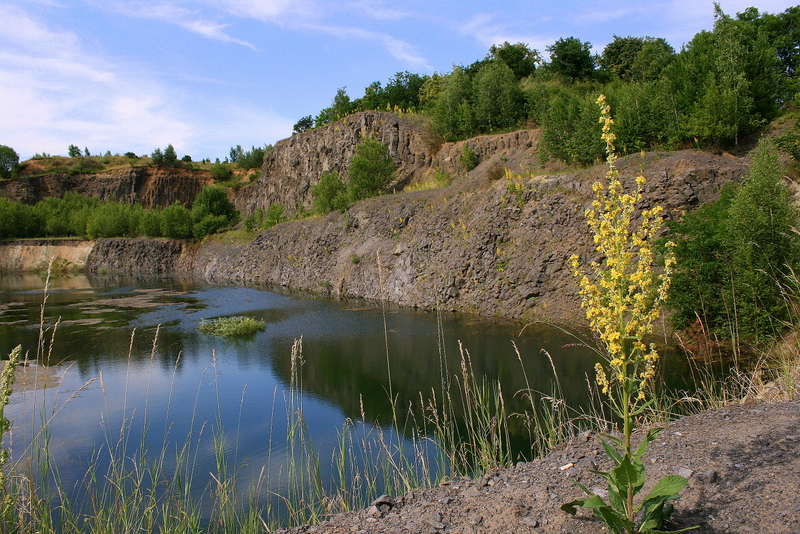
x=232 y=326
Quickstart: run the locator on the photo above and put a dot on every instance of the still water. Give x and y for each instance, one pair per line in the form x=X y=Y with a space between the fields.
x=121 y=352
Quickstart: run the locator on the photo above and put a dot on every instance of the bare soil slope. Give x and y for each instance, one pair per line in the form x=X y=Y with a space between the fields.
x=742 y=462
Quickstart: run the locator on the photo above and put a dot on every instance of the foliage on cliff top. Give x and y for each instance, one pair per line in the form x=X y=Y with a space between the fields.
x=723 y=85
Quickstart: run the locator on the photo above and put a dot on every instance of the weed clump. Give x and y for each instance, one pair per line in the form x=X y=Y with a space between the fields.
x=232 y=326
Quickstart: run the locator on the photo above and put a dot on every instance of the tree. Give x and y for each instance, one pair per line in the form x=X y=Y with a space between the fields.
x=170 y=156
x=652 y=59
x=620 y=54
x=304 y=124
x=571 y=58
x=9 y=160
x=498 y=100
x=236 y=152
x=452 y=109
x=157 y=156
x=518 y=57
x=371 y=169
x=73 y=151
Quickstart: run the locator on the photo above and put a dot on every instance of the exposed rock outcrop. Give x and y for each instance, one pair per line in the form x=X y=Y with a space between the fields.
x=18 y=256
x=150 y=186
x=135 y=255
x=477 y=246
x=294 y=165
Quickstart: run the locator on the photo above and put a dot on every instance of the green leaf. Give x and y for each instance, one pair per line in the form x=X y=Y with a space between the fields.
x=668 y=485
x=629 y=474
x=610 y=451
x=570 y=507
x=652 y=434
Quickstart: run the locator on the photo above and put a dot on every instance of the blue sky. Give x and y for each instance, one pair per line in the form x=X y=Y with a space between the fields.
x=210 y=74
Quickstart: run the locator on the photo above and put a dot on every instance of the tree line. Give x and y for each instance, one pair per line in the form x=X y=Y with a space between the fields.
x=76 y=215
x=721 y=86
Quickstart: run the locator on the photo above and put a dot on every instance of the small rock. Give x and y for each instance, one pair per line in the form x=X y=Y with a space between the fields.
x=471 y=491
x=600 y=492
x=707 y=476
x=438 y=525
x=529 y=521
x=685 y=472
x=476 y=520
x=446 y=500
x=384 y=500
x=373 y=510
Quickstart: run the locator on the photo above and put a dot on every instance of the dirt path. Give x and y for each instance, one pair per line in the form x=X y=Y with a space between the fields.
x=742 y=461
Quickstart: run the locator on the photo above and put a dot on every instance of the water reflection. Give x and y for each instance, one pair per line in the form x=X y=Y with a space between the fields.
x=126 y=353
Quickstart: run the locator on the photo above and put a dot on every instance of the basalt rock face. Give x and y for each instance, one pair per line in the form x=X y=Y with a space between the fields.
x=294 y=166
x=151 y=186
x=135 y=256
x=480 y=246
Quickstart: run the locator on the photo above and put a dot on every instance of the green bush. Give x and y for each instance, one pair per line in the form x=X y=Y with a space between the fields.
x=221 y=172
x=212 y=210
x=330 y=193
x=469 y=158
x=176 y=222
x=261 y=220
x=150 y=223
x=371 y=169
x=737 y=256
x=113 y=219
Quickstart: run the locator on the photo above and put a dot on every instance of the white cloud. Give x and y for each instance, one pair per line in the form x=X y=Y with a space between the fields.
x=377 y=10
x=188 y=19
x=53 y=94
x=487 y=32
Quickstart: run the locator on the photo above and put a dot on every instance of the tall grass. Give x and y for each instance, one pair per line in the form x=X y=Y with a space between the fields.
x=462 y=428
x=131 y=485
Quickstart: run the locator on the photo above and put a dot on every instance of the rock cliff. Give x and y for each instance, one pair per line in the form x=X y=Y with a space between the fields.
x=294 y=165
x=151 y=186
x=483 y=244
x=488 y=247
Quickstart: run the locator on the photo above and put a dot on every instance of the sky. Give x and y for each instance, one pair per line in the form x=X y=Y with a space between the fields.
x=207 y=75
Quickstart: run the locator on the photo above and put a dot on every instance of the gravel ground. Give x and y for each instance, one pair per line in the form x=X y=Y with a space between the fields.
x=742 y=462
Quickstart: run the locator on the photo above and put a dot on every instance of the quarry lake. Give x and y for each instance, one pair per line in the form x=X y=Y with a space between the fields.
x=127 y=365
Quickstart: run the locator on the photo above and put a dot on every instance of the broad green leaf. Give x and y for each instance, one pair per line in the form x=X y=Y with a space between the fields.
x=668 y=485
x=630 y=474
x=611 y=452
x=617 y=523
x=651 y=435
x=570 y=507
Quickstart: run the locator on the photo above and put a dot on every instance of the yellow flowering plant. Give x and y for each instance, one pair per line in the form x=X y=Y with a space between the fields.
x=622 y=296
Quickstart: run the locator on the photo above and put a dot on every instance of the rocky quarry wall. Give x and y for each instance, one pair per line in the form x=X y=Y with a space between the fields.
x=150 y=186
x=480 y=245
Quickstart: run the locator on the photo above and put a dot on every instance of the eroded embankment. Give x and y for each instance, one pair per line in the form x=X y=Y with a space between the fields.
x=488 y=247
x=35 y=255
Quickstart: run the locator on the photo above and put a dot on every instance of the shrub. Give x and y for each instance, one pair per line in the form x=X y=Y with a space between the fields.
x=221 y=172
x=469 y=158
x=150 y=223
x=212 y=210
x=176 y=222
x=330 y=193
x=113 y=219
x=737 y=255
x=371 y=169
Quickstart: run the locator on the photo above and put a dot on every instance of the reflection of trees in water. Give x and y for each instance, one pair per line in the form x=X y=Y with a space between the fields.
x=351 y=370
